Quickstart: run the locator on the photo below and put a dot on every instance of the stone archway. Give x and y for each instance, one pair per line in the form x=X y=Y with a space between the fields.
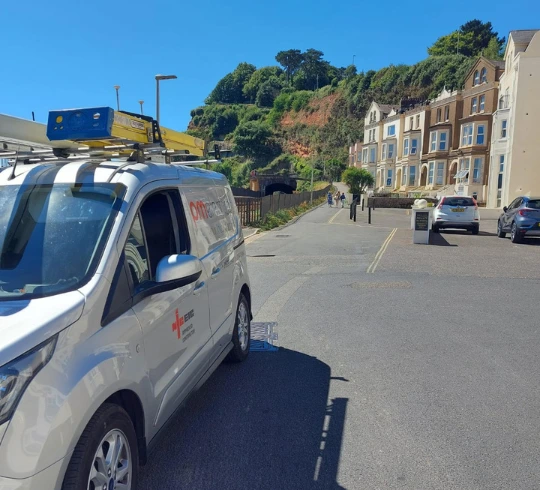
x=452 y=172
x=423 y=176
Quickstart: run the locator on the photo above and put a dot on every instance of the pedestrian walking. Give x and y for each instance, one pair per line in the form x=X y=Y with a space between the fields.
x=338 y=197
x=329 y=199
x=342 y=199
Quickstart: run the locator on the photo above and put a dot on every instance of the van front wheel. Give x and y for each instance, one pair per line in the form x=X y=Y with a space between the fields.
x=106 y=455
x=242 y=332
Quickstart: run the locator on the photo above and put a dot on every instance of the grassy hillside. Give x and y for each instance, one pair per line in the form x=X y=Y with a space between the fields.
x=306 y=111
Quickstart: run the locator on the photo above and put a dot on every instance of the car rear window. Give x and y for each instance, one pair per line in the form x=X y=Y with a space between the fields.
x=458 y=201
x=534 y=204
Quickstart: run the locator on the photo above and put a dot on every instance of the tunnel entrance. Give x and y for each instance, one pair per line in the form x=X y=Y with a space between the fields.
x=278 y=187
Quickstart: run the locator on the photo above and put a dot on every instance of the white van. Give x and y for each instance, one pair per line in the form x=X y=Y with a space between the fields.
x=122 y=288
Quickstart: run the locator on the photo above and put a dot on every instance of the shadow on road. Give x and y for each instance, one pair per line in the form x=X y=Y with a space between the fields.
x=263 y=424
x=439 y=240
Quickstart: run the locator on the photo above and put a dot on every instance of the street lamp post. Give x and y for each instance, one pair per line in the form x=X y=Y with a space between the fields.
x=141 y=102
x=117 y=88
x=353 y=56
x=158 y=78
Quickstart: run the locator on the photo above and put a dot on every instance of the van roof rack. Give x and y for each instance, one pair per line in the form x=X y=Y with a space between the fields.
x=97 y=133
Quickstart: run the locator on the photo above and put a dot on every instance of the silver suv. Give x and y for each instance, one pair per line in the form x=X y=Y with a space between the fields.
x=122 y=287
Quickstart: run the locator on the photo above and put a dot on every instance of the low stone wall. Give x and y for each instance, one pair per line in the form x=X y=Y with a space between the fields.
x=395 y=202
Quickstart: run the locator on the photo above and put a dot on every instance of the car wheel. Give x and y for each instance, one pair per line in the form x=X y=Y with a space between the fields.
x=475 y=230
x=435 y=229
x=500 y=232
x=514 y=235
x=242 y=332
x=106 y=455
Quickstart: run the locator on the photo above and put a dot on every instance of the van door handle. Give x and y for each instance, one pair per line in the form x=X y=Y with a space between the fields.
x=216 y=271
x=198 y=288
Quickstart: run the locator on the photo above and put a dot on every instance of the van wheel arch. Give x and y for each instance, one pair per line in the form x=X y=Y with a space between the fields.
x=131 y=403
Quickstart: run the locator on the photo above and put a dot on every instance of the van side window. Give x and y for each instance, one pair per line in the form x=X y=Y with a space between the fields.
x=158 y=230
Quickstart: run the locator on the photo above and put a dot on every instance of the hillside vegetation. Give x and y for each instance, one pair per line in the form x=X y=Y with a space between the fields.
x=306 y=112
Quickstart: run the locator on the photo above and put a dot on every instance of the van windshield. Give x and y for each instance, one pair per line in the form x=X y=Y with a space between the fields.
x=52 y=236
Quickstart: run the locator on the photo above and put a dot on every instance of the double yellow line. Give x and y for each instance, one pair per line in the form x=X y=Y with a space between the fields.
x=384 y=246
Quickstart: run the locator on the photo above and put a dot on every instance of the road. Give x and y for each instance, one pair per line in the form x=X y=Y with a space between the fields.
x=400 y=366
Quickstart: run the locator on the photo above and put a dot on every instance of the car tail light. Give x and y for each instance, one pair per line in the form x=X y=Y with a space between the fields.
x=441 y=204
x=523 y=212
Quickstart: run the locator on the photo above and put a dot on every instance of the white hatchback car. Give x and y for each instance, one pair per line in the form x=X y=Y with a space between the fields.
x=460 y=212
x=122 y=287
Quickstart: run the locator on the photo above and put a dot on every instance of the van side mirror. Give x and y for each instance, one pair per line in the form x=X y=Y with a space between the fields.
x=181 y=269
x=505 y=209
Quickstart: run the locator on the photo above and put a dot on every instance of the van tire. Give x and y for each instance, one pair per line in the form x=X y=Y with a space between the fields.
x=242 y=332
x=108 y=417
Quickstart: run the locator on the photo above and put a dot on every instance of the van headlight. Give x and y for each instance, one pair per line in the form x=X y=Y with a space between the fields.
x=16 y=375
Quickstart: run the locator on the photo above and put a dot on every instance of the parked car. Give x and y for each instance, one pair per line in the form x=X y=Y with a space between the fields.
x=460 y=212
x=520 y=219
x=123 y=286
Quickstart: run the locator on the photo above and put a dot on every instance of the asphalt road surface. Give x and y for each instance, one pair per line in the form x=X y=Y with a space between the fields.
x=400 y=366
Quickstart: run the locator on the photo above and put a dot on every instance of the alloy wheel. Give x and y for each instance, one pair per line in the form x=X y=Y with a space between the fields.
x=112 y=465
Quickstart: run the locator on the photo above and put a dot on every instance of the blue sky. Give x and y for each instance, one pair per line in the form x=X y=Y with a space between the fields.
x=65 y=54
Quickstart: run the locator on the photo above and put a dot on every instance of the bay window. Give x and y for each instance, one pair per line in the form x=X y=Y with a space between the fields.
x=480 y=134
x=440 y=173
x=442 y=141
x=406 y=147
x=414 y=146
x=431 y=172
x=433 y=141
x=390 y=150
x=383 y=157
x=466 y=134
x=477 y=171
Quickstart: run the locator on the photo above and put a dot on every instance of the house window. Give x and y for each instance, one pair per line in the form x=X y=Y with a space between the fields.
x=414 y=146
x=483 y=75
x=372 y=155
x=406 y=147
x=501 y=102
x=430 y=172
x=438 y=115
x=440 y=173
x=417 y=121
x=433 y=141
x=442 y=141
x=412 y=175
x=390 y=150
x=480 y=134
x=358 y=157
x=504 y=125
x=477 y=168
x=476 y=80
x=466 y=137
x=404 y=177
x=389 y=177
x=383 y=151
x=463 y=173
x=365 y=155
x=482 y=103
x=474 y=105
x=447 y=113
x=411 y=122
x=500 y=181
x=392 y=130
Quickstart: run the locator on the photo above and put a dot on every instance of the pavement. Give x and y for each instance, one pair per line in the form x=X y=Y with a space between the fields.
x=400 y=366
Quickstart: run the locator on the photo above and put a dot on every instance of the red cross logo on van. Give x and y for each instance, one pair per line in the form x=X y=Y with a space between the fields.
x=177 y=325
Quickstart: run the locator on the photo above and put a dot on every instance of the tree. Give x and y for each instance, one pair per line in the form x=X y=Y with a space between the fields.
x=267 y=92
x=470 y=40
x=254 y=139
x=358 y=179
x=290 y=60
x=494 y=51
x=335 y=168
x=350 y=71
x=258 y=78
x=230 y=89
